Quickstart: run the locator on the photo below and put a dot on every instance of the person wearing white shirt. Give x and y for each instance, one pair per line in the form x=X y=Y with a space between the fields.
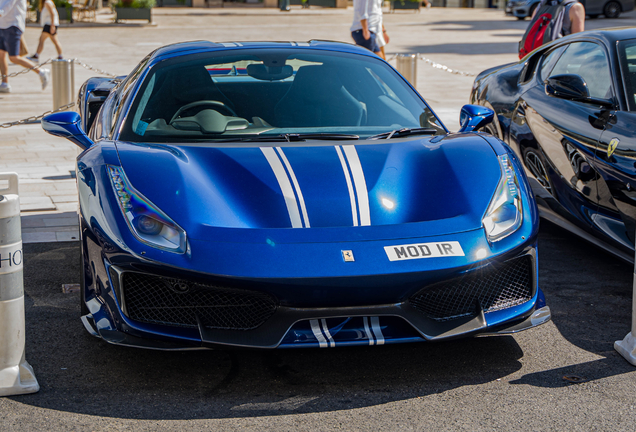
x=12 y=23
x=50 y=21
x=367 y=22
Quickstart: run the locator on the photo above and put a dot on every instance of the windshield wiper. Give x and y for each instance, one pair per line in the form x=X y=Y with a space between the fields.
x=295 y=137
x=397 y=133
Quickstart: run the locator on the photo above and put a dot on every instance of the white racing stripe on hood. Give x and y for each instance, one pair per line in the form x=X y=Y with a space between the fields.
x=360 y=184
x=299 y=193
x=352 y=196
x=285 y=185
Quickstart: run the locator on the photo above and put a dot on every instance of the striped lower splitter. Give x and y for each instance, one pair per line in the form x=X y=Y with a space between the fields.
x=325 y=339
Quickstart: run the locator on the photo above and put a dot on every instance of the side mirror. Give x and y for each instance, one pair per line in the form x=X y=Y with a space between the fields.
x=67 y=125
x=473 y=117
x=567 y=86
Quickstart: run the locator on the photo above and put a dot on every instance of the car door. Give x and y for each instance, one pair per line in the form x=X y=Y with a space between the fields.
x=558 y=137
x=616 y=156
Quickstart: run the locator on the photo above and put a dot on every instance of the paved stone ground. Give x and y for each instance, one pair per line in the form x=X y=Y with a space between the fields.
x=469 y=40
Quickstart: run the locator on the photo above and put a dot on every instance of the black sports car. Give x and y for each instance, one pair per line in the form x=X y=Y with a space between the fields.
x=569 y=110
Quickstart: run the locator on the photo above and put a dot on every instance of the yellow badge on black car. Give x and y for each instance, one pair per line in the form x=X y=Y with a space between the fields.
x=612 y=146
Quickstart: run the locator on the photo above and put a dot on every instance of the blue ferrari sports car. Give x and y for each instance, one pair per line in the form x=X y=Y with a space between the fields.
x=291 y=195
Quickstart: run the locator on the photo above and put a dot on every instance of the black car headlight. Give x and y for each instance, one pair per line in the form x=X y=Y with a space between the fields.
x=146 y=221
x=505 y=212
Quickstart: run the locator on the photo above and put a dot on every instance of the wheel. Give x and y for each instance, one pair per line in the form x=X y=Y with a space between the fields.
x=537 y=168
x=521 y=18
x=612 y=9
x=491 y=129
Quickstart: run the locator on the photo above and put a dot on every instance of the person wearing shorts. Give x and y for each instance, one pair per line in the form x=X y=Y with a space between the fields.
x=381 y=39
x=12 y=23
x=367 y=19
x=50 y=21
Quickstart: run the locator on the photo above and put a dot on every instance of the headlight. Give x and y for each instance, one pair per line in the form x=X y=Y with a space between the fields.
x=149 y=224
x=505 y=212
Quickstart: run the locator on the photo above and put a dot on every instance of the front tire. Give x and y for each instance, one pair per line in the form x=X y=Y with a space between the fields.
x=612 y=9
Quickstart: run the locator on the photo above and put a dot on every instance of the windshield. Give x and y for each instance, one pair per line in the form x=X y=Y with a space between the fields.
x=268 y=93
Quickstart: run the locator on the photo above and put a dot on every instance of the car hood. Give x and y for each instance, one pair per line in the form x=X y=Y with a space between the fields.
x=387 y=189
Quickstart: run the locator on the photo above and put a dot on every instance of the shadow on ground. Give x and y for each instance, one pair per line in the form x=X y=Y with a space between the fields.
x=588 y=291
x=80 y=374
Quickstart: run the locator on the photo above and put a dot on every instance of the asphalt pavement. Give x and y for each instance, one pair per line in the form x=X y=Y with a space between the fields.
x=564 y=375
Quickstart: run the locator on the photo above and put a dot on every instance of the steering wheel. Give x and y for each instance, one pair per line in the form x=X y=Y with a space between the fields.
x=216 y=104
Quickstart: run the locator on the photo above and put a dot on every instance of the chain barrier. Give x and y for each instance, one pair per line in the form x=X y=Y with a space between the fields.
x=35 y=118
x=75 y=60
x=62 y=108
x=94 y=69
x=435 y=65
x=26 y=70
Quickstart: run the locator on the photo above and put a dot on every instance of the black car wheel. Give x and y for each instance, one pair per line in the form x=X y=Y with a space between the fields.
x=521 y=18
x=491 y=129
x=612 y=9
x=537 y=168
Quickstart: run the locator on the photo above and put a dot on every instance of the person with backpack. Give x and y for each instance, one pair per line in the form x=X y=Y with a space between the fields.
x=551 y=20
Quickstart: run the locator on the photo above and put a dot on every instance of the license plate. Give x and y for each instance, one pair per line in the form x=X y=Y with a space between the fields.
x=424 y=250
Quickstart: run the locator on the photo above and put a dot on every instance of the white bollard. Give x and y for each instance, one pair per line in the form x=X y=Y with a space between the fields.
x=16 y=375
x=627 y=347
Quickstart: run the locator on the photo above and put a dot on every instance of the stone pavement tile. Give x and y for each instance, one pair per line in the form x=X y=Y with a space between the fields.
x=65 y=207
x=33 y=237
x=36 y=203
x=64 y=198
x=61 y=221
x=63 y=236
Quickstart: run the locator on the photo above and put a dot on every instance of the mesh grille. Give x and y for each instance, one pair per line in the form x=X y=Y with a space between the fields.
x=497 y=287
x=177 y=302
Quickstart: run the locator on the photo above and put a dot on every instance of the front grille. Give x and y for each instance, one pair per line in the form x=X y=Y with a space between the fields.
x=496 y=287
x=177 y=302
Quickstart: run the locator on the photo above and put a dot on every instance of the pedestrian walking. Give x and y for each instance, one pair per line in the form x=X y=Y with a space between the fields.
x=367 y=18
x=381 y=39
x=12 y=23
x=551 y=20
x=50 y=21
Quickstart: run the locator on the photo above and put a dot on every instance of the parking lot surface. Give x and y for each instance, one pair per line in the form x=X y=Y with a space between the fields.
x=564 y=375
x=522 y=382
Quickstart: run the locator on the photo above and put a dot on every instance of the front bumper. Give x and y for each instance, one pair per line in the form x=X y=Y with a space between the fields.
x=114 y=318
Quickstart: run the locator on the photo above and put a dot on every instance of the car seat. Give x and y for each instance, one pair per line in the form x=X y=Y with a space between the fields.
x=181 y=86
x=317 y=98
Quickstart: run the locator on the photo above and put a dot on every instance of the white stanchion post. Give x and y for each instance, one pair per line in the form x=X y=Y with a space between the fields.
x=16 y=375
x=627 y=347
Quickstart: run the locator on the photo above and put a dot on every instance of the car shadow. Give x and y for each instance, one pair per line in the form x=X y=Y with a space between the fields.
x=80 y=374
x=589 y=292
